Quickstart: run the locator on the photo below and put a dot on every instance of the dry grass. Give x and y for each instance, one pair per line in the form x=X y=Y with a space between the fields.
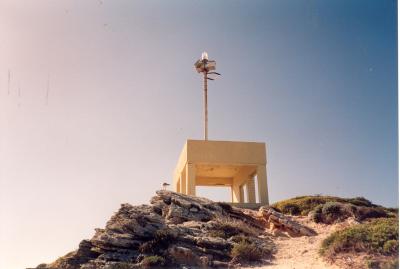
x=151 y=261
x=245 y=251
x=227 y=227
x=162 y=239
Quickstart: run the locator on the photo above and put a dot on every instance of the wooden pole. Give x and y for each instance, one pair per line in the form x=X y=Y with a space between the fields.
x=205 y=107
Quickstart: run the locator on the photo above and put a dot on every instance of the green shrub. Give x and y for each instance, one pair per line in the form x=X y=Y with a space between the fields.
x=227 y=227
x=316 y=214
x=393 y=264
x=218 y=233
x=383 y=264
x=391 y=246
x=331 y=208
x=393 y=210
x=360 y=201
x=155 y=260
x=332 y=212
x=335 y=212
x=225 y=206
x=245 y=251
x=162 y=239
x=302 y=205
x=291 y=209
x=364 y=212
x=118 y=265
x=372 y=264
x=240 y=238
x=369 y=237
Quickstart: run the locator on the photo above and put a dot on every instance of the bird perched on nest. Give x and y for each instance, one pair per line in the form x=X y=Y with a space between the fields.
x=165 y=185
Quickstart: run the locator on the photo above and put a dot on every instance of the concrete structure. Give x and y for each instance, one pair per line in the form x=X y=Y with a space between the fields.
x=238 y=165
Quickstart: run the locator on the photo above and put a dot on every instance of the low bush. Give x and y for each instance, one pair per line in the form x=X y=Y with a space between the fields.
x=316 y=214
x=393 y=264
x=364 y=212
x=151 y=261
x=240 y=238
x=244 y=251
x=379 y=236
x=359 y=201
x=391 y=246
x=225 y=206
x=302 y=205
x=226 y=228
x=393 y=210
x=161 y=241
x=332 y=212
x=218 y=233
x=291 y=209
x=119 y=265
x=382 y=264
x=372 y=264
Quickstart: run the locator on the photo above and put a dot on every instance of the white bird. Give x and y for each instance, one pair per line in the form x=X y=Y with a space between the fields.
x=165 y=185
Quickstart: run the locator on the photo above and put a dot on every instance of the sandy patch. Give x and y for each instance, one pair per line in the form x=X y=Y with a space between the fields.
x=302 y=252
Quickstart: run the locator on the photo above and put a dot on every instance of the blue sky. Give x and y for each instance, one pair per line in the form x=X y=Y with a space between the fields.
x=315 y=80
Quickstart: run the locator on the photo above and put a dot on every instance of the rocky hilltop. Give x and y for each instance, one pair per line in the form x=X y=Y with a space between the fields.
x=178 y=230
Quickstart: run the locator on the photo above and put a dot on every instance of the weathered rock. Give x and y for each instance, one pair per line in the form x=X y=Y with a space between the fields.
x=184 y=255
x=213 y=243
x=138 y=221
x=220 y=264
x=184 y=230
x=276 y=220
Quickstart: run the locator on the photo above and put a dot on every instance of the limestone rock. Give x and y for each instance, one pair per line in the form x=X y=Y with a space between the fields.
x=276 y=220
x=184 y=255
x=181 y=229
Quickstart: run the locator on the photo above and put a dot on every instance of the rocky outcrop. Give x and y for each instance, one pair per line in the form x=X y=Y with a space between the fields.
x=175 y=230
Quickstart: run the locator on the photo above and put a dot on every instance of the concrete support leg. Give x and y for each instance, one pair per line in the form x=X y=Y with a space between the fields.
x=178 y=185
x=251 y=190
x=241 y=194
x=236 y=194
x=183 y=181
x=190 y=179
x=262 y=184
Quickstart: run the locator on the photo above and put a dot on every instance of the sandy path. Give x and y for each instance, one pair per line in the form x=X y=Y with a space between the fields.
x=302 y=252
